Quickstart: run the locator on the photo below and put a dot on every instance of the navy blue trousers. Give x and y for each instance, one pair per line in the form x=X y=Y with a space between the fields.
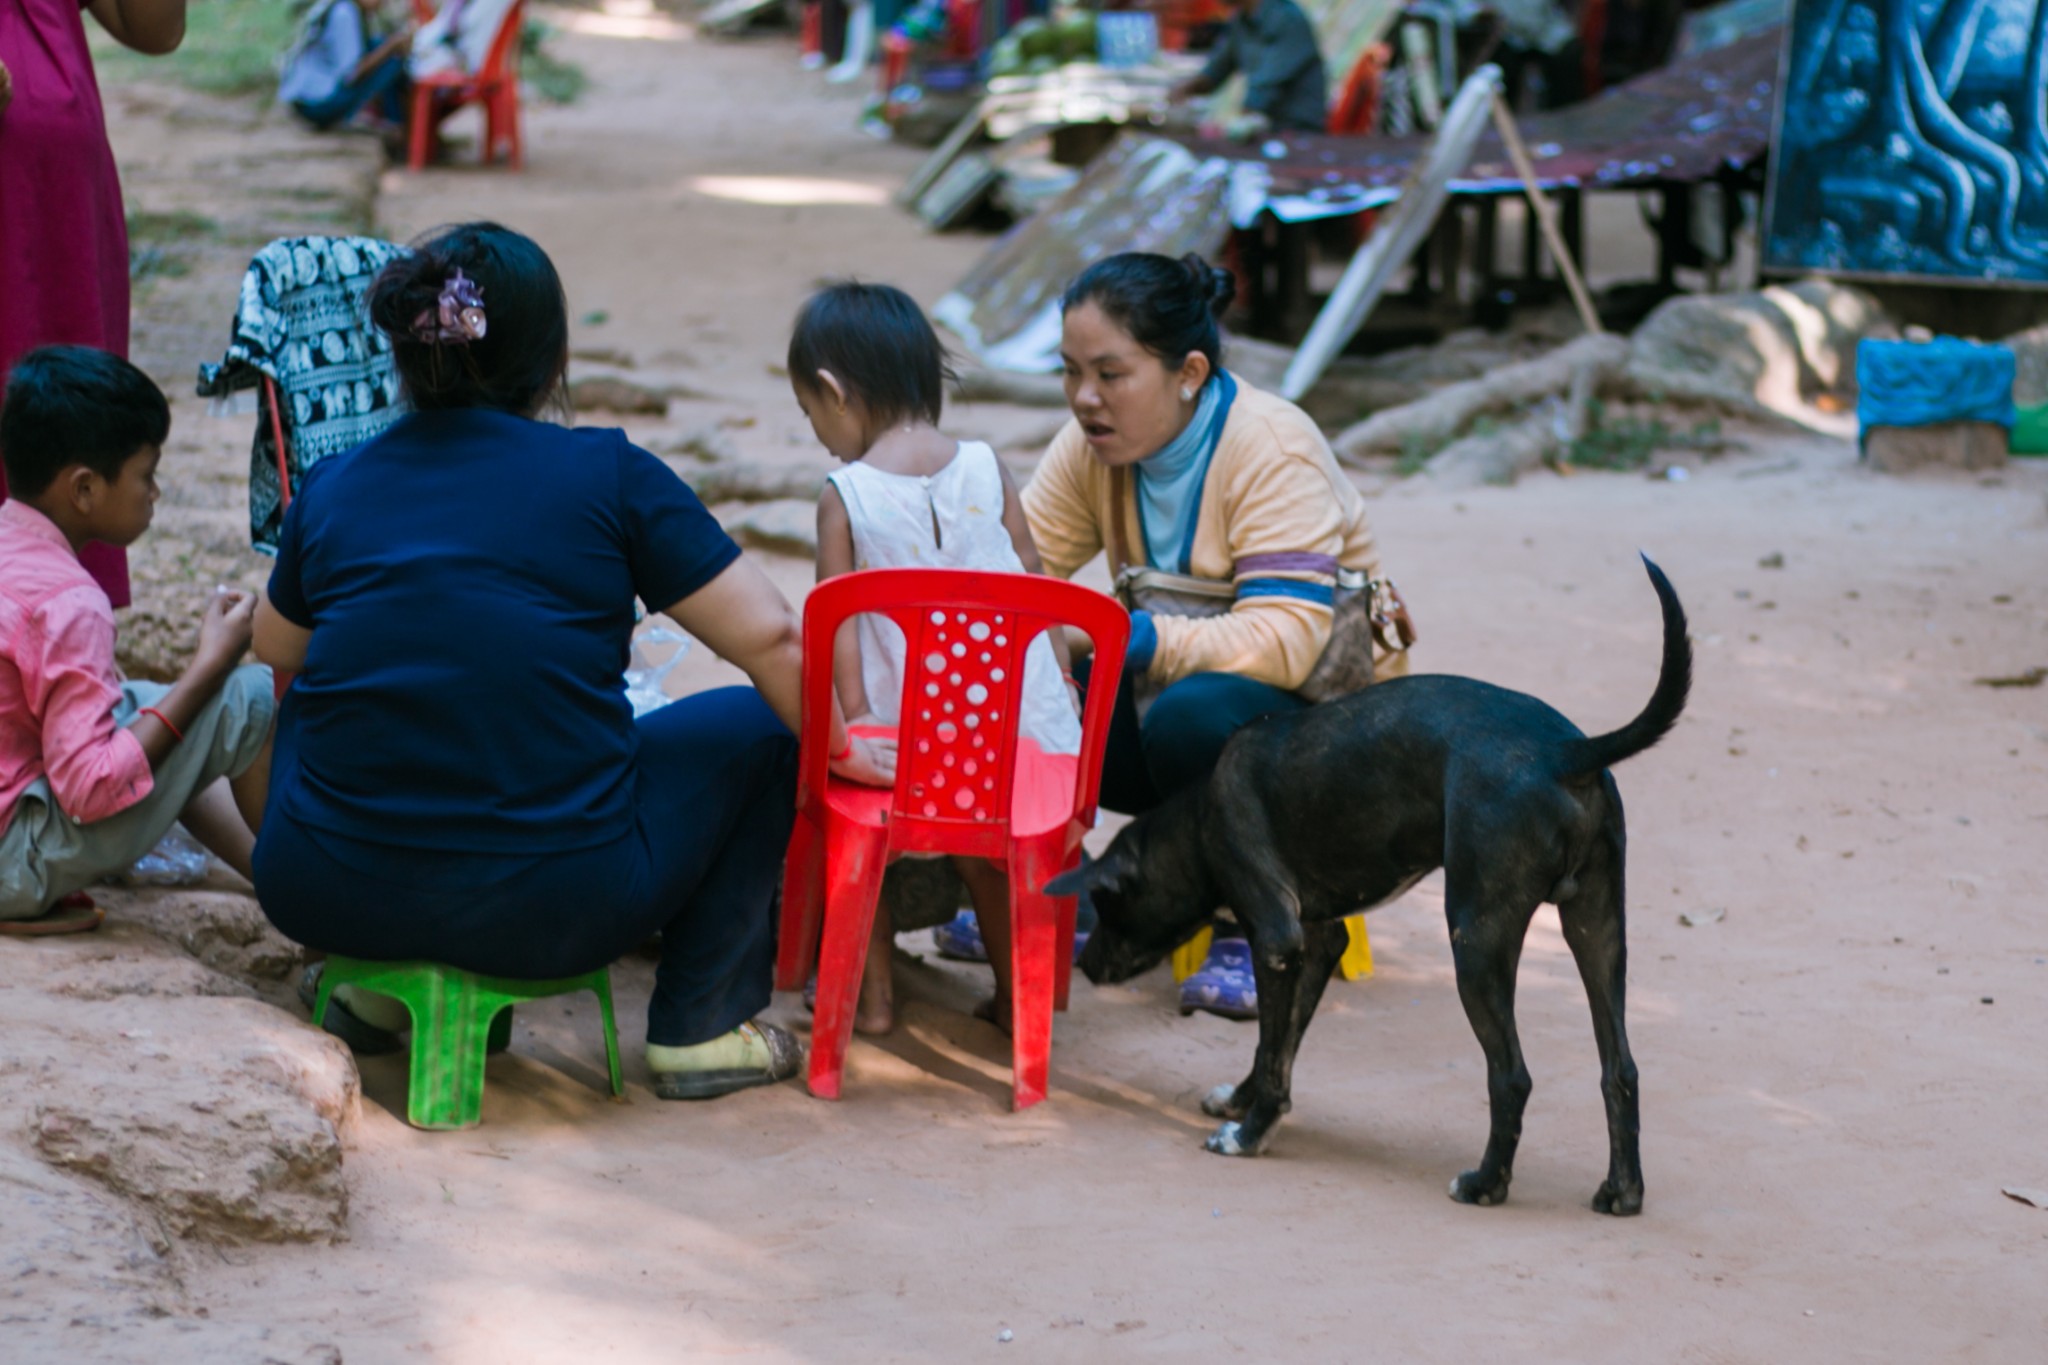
x=715 y=795
x=384 y=86
x=1181 y=737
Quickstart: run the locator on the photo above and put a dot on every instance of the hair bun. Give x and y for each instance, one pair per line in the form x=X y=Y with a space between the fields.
x=402 y=289
x=1216 y=286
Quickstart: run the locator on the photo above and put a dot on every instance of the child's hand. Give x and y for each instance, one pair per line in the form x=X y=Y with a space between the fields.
x=225 y=628
x=870 y=762
x=6 y=88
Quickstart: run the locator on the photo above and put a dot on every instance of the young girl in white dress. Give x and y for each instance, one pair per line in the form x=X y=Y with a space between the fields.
x=869 y=372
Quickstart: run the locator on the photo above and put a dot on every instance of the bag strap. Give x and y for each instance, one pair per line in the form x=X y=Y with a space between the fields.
x=1119 y=520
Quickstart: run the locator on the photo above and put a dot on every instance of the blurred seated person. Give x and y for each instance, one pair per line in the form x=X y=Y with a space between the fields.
x=458 y=37
x=1273 y=43
x=348 y=58
x=1542 y=37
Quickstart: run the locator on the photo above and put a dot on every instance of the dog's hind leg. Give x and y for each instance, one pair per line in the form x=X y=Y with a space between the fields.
x=1322 y=946
x=1594 y=927
x=1486 y=946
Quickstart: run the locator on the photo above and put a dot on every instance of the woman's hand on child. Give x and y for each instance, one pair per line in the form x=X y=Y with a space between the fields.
x=6 y=88
x=870 y=762
x=225 y=627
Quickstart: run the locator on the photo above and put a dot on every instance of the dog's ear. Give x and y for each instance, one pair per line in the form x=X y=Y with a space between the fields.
x=1069 y=883
x=1106 y=873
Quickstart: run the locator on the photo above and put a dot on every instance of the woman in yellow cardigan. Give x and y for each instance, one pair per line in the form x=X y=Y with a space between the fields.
x=1172 y=462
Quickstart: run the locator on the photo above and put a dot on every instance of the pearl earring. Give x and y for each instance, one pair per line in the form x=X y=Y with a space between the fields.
x=1187 y=395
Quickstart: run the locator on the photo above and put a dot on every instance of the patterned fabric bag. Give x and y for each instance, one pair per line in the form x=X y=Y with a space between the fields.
x=331 y=386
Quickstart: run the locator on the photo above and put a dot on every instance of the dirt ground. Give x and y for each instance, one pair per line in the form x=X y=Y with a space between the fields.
x=1841 y=1063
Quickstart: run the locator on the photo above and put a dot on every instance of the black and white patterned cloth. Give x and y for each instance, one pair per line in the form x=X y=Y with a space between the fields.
x=301 y=322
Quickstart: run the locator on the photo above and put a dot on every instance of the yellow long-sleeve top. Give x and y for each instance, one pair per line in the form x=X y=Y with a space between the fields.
x=1277 y=518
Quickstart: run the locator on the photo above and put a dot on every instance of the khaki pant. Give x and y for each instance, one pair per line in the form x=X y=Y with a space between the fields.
x=45 y=855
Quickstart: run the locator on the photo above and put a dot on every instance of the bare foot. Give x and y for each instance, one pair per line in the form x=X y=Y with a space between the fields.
x=875 y=1014
x=995 y=1010
x=876 y=1011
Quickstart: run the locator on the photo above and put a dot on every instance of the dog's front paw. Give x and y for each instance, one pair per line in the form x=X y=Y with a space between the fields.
x=1229 y=1140
x=1221 y=1103
x=1621 y=1201
x=1474 y=1187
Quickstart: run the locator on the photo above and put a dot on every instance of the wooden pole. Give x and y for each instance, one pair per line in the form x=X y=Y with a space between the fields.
x=1546 y=219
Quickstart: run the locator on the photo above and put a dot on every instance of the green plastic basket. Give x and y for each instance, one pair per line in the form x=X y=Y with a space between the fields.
x=2030 y=432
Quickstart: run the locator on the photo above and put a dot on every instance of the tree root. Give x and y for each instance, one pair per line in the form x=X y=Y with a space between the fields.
x=1001 y=386
x=1435 y=422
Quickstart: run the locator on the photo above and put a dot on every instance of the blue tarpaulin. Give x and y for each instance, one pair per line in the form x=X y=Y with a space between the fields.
x=1920 y=383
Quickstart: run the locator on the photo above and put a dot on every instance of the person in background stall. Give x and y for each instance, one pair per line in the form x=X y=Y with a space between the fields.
x=348 y=59
x=63 y=234
x=1273 y=43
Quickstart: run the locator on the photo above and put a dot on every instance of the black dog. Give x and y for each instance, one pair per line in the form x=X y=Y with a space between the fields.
x=1321 y=813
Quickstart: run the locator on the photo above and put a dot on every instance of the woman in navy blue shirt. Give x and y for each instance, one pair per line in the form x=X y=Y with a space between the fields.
x=458 y=775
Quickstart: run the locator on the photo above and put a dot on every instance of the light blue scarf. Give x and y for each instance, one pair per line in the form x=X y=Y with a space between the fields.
x=1170 y=480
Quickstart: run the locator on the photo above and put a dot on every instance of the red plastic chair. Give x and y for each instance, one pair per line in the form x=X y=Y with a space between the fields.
x=1357 y=107
x=967 y=633
x=495 y=87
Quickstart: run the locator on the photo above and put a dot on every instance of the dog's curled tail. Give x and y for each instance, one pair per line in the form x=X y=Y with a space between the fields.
x=1674 y=681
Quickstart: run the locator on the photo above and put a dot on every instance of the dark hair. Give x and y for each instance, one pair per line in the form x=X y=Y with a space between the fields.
x=877 y=342
x=517 y=364
x=1169 y=307
x=70 y=405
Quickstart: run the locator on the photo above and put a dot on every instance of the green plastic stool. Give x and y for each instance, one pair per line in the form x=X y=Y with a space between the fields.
x=452 y=1012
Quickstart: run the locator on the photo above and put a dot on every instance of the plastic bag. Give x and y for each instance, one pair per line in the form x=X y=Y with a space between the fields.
x=177 y=860
x=644 y=677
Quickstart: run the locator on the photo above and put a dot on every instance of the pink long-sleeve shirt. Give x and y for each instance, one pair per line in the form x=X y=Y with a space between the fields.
x=57 y=681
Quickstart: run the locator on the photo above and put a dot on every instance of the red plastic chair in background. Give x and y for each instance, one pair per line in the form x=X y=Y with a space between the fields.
x=495 y=86
x=958 y=770
x=1357 y=107
x=1357 y=112
x=1178 y=19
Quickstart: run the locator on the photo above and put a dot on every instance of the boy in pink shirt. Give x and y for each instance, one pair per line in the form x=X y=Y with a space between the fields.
x=94 y=769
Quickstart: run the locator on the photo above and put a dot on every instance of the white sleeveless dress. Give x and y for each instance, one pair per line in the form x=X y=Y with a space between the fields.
x=949 y=520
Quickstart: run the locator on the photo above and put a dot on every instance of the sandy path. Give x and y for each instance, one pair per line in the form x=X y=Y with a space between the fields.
x=1829 y=1108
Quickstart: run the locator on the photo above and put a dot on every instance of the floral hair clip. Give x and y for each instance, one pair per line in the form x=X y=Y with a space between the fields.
x=460 y=316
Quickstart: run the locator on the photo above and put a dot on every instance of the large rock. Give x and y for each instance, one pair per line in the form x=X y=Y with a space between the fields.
x=225 y=930
x=1780 y=347
x=1829 y=319
x=68 y=1248
x=125 y=959
x=1739 y=343
x=220 y=1120
x=79 y=1281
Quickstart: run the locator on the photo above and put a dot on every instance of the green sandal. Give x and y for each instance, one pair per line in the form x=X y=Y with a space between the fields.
x=784 y=1059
